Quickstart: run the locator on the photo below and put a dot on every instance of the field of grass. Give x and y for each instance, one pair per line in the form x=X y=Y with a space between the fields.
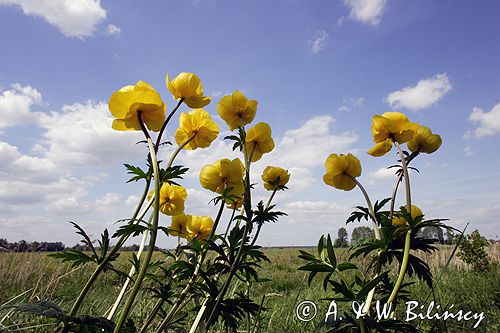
x=27 y=277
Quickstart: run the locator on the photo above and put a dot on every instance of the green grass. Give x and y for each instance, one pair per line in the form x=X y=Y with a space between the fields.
x=34 y=276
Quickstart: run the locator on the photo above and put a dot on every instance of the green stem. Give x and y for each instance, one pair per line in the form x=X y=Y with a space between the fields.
x=404 y=265
x=230 y=221
x=247 y=205
x=175 y=307
x=376 y=230
x=112 y=252
x=130 y=274
x=160 y=134
x=406 y=252
x=152 y=241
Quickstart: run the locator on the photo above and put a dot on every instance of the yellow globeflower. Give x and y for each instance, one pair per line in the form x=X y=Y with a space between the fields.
x=125 y=103
x=237 y=110
x=340 y=171
x=196 y=123
x=415 y=211
x=172 y=199
x=236 y=195
x=259 y=141
x=424 y=141
x=199 y=227
x=388 y=128
x=275 y=178
x=178 y=225
x=222 y=174
x=188 y=86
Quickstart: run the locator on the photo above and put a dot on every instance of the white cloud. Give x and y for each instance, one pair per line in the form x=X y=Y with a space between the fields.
x=74 y=18
x=309 y=145
x=351 y=103
x=489 y=122
x=424 y=94
x=113 y=31
x=366 y=11
x=383 y=173
x=16 y=103
x=81 y=135
x=319 y=41
x=468 y=151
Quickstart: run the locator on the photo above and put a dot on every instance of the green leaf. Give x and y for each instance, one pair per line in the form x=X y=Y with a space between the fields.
x=331 y=253
x=137 y=172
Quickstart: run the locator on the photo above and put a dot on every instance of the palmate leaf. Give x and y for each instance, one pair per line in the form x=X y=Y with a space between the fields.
x=171 y=173
x=130 y=230
x=83 y=324
x=137 y=173
x=76 y=257
x=86 y=239
x=263 y=215
x=233 y=310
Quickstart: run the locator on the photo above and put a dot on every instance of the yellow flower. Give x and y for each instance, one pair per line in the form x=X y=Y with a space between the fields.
x=415 y=211
x=172 y=199
x=224 y=173
x=259 y=141
x=196 y=123
x=424 y=141
x=125 y=103
x=340 y=171
x=388 y=128
x=199 y=227
x=275 y=178
x=178 y=225
x=237 y=110
x=236 y=195
x=188 y=86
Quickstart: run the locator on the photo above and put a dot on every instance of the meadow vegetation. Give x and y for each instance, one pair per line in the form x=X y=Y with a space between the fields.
x=35 y=276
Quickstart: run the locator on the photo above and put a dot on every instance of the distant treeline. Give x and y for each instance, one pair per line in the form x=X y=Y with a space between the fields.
x=24 y=246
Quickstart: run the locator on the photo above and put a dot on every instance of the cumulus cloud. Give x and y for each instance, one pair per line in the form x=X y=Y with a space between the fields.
x=382 y=173
x=488 y=122
x=424 y=94
x=366 y=11
x=319 y=41
x=81 y=134
x=16 y=103
x=74 y=18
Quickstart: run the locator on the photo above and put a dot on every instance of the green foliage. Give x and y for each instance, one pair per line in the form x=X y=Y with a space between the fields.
x=472 y=251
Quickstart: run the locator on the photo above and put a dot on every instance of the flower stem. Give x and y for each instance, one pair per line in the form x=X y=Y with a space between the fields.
x=376 y=230
x=170 y=115
x=175 y=307
x=406 y=252
x=112 y=252
x=152 y=241
x=130 y=274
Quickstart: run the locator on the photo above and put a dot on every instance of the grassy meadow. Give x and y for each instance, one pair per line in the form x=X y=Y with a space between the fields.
x=28 y=277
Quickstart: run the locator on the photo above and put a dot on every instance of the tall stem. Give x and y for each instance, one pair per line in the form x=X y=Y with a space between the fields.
x=152 y=241
x=170 y=115
x=406 y=251
x=376 y=230
x=112 y=252
x=130 y=274
x=247 y=206
x=175 y=307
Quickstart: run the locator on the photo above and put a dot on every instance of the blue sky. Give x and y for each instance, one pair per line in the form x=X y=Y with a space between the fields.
x=319 y=70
